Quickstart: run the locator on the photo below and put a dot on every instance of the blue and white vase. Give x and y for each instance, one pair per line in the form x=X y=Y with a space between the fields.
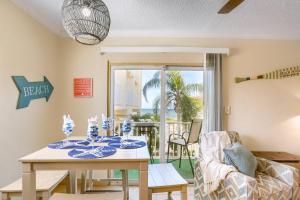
x=107 y=124
x=93 y=130
x=126 y=127
x=68 y=126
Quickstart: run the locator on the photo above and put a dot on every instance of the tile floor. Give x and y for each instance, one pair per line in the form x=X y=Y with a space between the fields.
x=133 y=194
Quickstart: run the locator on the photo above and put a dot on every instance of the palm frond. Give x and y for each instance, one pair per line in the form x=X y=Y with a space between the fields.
x=176 y=80
x=194 y=87
x=179 y=95
x=156 y=74
x=152 y=83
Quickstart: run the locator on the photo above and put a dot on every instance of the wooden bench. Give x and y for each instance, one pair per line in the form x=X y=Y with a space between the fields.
x=100 y=196
x=165 y=178
x=46 y=182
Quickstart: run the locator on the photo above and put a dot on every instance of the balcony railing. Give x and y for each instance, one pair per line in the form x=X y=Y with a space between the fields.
x=146 y=128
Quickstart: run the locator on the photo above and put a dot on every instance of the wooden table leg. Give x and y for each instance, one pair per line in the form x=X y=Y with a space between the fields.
x=83 y=182
x=125 y=183
x=143 y=181
x=184 y=192
x=73 y=181
x=28 y=182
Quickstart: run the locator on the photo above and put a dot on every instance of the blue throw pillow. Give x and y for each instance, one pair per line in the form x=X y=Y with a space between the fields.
x=241 y=158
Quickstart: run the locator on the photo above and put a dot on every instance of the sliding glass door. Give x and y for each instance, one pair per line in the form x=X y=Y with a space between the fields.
x=160 y=101
x=183 y=104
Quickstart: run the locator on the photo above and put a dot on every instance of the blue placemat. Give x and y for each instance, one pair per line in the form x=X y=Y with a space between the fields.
x=128 y=144
x=70 y=144
x=92 y=152
x=107 y=139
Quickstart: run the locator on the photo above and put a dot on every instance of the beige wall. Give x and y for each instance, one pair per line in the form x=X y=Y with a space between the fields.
x=265 y=112
x=26 y=48
x=86 y=61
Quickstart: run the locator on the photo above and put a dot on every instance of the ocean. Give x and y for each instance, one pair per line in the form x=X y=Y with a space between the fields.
x=170 y=112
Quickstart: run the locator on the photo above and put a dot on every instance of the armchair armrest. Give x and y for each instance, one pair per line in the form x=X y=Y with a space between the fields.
x=282 y=172
x=243 y=186
x=235 y=186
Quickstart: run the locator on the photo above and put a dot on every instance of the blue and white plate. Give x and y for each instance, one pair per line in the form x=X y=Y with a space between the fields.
x=128 y=144
x=70 y=144
x=92 y=152
x=107 y=139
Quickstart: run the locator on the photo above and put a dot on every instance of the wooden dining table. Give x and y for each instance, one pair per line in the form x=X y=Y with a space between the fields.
x=58 y=159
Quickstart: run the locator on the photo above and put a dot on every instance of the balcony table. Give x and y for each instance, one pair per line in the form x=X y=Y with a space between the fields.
x=54 y=159
x=144 y=129
x=148 y=129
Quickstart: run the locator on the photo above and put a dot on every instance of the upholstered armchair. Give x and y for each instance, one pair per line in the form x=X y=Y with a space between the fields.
x=273 y=181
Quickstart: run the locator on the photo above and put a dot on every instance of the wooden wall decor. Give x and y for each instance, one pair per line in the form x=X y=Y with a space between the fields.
x=277 y=74
x=83 y=87
x=32 y=90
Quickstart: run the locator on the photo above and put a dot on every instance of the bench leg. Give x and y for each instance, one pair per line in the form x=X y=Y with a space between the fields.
x=184 y=192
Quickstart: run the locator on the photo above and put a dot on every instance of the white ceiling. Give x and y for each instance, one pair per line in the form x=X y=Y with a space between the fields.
x=276 y=19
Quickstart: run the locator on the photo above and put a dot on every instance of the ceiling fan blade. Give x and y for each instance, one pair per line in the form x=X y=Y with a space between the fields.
x=229 y=6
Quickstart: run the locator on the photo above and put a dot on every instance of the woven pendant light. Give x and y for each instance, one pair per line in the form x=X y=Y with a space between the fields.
x=87 y=21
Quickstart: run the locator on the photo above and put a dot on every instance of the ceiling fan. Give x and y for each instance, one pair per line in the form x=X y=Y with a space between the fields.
x=229 y=6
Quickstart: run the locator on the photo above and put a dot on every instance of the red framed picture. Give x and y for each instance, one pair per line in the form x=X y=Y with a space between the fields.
x=83 y=87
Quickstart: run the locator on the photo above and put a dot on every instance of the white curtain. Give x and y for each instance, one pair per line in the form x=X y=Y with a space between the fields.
x=213 y=93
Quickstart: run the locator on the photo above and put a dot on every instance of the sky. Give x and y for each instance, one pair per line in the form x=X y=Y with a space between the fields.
x=188 y=76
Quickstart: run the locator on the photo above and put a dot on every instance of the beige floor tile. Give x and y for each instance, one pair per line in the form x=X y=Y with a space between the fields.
x=133 y=194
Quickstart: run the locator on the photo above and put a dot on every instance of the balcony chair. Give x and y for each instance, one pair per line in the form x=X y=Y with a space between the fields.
x=273 y=181
x=185 y=139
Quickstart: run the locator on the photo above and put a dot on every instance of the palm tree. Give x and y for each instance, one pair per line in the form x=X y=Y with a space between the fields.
x=178 y=95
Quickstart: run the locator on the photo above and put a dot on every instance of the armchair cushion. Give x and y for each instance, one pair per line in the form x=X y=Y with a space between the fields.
x=272 y=188
x=240 y=157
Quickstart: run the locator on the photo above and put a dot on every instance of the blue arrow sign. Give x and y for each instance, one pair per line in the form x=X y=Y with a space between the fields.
x=32 y=90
